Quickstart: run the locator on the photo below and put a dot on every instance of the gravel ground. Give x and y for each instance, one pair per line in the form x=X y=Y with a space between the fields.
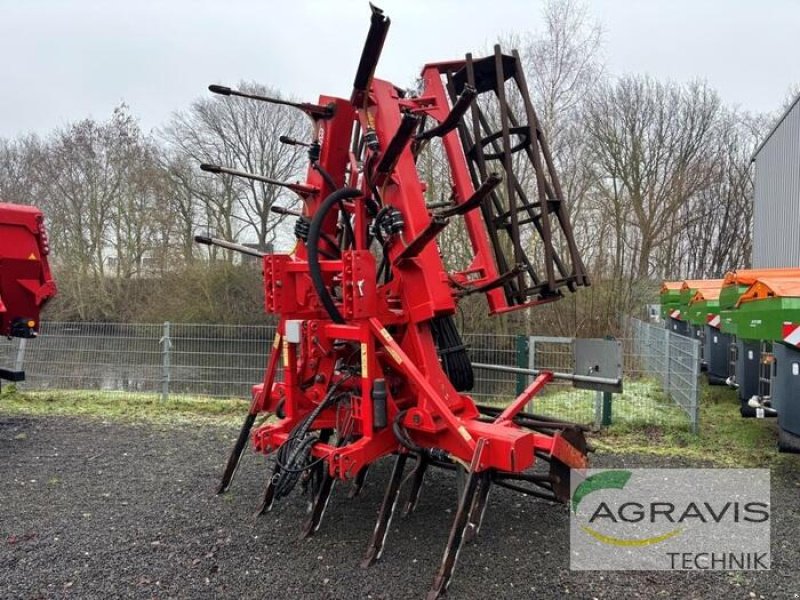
x=92 y=509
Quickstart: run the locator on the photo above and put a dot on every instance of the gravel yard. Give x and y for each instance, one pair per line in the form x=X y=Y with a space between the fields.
x=94 y=509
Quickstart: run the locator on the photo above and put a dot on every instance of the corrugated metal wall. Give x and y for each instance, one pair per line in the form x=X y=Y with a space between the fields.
x=776 y=233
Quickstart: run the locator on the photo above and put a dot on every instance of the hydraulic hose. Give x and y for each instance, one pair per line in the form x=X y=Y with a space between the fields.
x=314 y=235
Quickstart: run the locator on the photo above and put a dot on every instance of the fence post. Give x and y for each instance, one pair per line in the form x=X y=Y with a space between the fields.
x=667 y=366
x=522 y=362
x=166 y=345
x=606 y=409
x=695 y=387
x=598 y=409
x=19 y=361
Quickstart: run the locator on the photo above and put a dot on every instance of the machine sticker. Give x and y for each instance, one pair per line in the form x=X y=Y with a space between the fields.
x=364 y=361
x=388 y=337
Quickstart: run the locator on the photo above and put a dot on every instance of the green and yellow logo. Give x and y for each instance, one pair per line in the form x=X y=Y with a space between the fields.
x=611 y=480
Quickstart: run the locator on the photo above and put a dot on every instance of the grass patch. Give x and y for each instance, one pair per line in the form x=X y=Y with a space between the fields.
x=122 y=406
x=644 y=420
x=725 y=438
x=641 y=403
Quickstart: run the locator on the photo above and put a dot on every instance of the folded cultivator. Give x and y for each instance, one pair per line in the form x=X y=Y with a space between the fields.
x=371 y=361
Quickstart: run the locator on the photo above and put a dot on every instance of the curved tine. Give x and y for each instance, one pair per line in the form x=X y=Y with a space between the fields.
x=269 y=493
x=358 y=482
x=416 y=485
x=376 y=545
x=478 y=509
x=236 y=453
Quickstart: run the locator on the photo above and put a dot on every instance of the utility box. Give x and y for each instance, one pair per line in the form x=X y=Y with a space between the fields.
x=598 y=358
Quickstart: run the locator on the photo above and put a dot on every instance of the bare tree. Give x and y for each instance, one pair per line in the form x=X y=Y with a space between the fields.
x=241 y=134
x=648 y=145
x=561 y=64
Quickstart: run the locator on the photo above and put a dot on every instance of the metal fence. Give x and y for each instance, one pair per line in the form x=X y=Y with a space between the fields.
x=674 y=359
x=226 y=360
x=164 y=358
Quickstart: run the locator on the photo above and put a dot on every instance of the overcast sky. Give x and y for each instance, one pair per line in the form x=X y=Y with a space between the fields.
x=66 y=60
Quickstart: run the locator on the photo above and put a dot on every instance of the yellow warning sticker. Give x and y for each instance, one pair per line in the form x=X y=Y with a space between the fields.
x=285 y=353
x=388 y=337
x=395 y=356
x=32 y=256
x=277 y=341
x=364 y=361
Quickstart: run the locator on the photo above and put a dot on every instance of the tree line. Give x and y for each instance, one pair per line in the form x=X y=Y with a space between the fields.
x=657 y=175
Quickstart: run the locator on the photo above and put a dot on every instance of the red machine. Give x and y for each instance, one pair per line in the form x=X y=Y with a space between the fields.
x=372 y=364
x=25 y=280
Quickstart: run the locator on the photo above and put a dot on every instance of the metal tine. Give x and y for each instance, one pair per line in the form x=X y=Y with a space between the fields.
x=376 y=544
x=456 y=538
x=320 y=504
x=269 y=493
x=247 y=426
x=322 y=483
x=358 y=482
x=416 y=485
x=478 y=509
x=236 y=454
x=526 y=491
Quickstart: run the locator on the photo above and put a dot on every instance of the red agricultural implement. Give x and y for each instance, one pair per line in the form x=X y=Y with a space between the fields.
x=25 y=280
x=370 y=361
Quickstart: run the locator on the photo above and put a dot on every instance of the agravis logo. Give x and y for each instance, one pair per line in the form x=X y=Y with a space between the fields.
x=670 y=519
x=611 y=480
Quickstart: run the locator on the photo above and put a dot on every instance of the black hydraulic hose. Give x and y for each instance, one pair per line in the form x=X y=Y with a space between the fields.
x=325 y=175
x=314 y=234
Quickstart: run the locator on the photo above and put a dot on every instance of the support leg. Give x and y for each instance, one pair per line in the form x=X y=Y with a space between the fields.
x=445 y=573
x=375 y=548
x=416 y=485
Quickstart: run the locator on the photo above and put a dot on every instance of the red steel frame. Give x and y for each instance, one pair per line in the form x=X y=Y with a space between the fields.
x=358 y=344
x=436 y=414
